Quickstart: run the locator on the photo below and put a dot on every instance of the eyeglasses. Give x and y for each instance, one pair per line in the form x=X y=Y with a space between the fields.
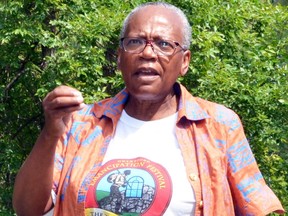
x=159 y=46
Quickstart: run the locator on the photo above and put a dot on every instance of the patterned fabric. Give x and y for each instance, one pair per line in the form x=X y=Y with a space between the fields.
x=219 y=163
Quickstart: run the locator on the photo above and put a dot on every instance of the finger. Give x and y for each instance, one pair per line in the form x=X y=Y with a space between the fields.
x=70 y=109
x=62 y=91
x=63 y=102
x=63 y=112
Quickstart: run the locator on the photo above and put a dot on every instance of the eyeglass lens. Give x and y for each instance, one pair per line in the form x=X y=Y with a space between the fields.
x=137 y=45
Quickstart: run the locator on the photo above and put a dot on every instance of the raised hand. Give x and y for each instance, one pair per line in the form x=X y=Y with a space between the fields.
x=58 y=106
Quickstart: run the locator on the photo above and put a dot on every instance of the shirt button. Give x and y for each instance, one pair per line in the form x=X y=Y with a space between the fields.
x=193 y=177
x=201 y=204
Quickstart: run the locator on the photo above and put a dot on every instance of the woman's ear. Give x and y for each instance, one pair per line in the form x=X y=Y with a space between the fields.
x=186 y=62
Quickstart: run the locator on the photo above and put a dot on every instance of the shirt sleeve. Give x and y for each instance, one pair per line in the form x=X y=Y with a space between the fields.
x=251 y=195
x=51 y=212
x=59 y=159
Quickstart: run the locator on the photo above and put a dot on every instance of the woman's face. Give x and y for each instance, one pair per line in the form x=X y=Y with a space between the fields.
x=147 y=76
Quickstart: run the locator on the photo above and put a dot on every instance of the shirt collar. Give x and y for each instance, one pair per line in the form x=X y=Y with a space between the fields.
x=111 y=107
x=188 y=106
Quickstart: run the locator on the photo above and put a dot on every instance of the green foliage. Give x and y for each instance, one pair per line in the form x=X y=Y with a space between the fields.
x=239 y=58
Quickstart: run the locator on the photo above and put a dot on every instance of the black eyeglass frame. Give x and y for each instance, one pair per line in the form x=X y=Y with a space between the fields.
x=177 y=44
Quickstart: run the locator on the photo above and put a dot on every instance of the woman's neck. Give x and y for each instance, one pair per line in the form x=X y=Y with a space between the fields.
x=152 y=110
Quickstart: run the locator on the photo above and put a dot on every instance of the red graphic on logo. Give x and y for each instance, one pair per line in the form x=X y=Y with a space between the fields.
x=129 y=187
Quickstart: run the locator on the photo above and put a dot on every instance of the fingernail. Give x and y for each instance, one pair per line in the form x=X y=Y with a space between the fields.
x=80 y=98
x=77 y=93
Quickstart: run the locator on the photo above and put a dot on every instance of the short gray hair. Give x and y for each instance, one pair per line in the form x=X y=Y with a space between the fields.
x=187 y=31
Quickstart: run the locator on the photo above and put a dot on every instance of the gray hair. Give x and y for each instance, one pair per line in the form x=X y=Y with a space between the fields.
x=187 y=31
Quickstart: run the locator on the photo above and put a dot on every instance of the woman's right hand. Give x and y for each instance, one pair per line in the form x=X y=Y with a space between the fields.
x=58 y=106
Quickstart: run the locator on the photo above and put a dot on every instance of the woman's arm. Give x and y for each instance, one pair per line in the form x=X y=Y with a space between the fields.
x=33 y=185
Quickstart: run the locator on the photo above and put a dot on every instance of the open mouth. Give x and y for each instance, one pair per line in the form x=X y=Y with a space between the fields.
x=146 y=72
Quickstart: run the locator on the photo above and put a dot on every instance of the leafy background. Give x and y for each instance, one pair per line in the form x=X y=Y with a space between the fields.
x=239 y=58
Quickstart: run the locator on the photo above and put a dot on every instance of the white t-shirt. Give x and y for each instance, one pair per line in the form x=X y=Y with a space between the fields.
x=151 y=146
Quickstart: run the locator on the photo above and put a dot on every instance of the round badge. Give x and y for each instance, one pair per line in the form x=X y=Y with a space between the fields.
x=129 y=187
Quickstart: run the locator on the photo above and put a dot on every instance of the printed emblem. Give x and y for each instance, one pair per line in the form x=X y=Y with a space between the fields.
x=129 y=187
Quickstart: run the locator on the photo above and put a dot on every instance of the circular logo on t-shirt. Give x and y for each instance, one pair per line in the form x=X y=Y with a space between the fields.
x=129 y=187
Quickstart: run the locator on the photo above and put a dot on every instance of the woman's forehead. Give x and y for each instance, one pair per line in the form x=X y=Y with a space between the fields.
x=155 y=21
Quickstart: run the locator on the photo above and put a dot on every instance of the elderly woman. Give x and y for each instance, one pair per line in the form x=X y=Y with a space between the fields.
x=153 y=149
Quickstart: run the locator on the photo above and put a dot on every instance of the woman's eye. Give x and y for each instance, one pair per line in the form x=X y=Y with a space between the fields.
x=164 y=44
x=134 y=42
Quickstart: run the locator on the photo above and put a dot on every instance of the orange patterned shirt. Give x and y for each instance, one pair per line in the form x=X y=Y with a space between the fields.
x=219 y=163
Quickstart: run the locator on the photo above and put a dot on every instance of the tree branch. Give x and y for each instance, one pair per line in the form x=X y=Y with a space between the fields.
x=18 y=75
x=29 y=121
